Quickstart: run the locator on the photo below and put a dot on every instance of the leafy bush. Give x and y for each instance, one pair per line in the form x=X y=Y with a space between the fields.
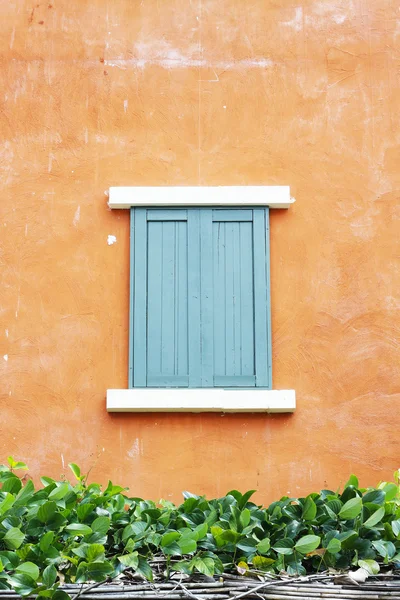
x=79 y=533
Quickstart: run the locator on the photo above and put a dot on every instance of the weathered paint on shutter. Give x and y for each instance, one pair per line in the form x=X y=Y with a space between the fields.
x=200 y=298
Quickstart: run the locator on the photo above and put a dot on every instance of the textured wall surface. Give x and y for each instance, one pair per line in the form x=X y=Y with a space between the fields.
x=97 y=93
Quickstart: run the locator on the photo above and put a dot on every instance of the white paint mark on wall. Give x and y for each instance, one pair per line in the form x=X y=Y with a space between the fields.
x=77 y=216
x=111 y=239
x=135 y=449
x=5 y=357
x=62 y=460
x=297 y=22
x=6 y=333
x=125 y=105
x=183 y=62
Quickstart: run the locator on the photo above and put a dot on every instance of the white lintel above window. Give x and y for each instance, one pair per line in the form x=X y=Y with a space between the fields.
x=273 y=196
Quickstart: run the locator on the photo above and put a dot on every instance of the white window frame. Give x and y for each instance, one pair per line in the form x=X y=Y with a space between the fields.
x=213 y=399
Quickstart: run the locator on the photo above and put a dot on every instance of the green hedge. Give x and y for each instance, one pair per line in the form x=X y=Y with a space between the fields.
x=77 y=532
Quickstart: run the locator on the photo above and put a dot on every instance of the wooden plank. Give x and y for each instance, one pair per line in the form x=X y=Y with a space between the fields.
x=167 y=292
x=181 y=304
x=139 y=299
x=229 y=301
x=172 y=214
x=268 y=278
x=234 y=380
x=131 y=294
x=260 y=300
x=246 y=299
x=167 y=380
x=219 y=270
x=226 y=215
x=206 y=291
x=154 y=297
x=194 y=317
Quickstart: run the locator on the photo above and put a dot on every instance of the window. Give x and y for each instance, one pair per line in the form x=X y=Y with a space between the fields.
x=200 y=298
x=199 y=307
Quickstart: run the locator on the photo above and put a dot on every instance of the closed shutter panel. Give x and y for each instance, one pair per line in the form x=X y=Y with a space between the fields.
x=200 y=298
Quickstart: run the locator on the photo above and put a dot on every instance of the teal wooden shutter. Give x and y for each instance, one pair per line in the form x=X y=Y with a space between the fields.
x=200 y=298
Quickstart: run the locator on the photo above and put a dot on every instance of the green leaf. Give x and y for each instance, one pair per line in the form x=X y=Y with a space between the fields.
x=46 y=512
x=98 y=570
x=375 y=518
x=351 y=509
x=22 y=584
x=284 y=546
x=60 y=595
x=374 y=496
x=205 y=566
x=49 y=576
x=390 y=490
x=78 y=529
x=307 y=544
x=25 y=493
x=12 y=485
x=334 y=546
x=13 y=538
x=200 y=531
x=168 y=538
x=247 y=545
x=94 y=552
x=76 y=470
x=6 y=503
x=187 y=545
x=347 y=538
x=144 y=569
x=129 y=560
x=309 y=509
x=396 y=527
x=264 y=546
x=353 y=481
x=29 y=568
x=101 y=525
x=245 y=517
x=262 y=563
x=371 y=566
x=46 y=540
x=59 y=492
x=245 y=498
x=16 y=464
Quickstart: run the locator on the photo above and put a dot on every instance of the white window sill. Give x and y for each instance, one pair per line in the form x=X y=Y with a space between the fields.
x=274 y=196
x=201 y=400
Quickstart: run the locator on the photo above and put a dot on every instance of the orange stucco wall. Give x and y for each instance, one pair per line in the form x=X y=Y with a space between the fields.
x=304 y=93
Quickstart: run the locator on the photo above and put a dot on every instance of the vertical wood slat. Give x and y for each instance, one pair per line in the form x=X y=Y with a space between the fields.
x=206 y=294
x=194 y=299
x=233 y=299
x=181 y=310
x=260 y=299
x=268 y=278
x=219 y=297
x=140 y=299
x=131 y=294
x=154 y=297
x=167 y=293
x=247 y=299
x=167 y=301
